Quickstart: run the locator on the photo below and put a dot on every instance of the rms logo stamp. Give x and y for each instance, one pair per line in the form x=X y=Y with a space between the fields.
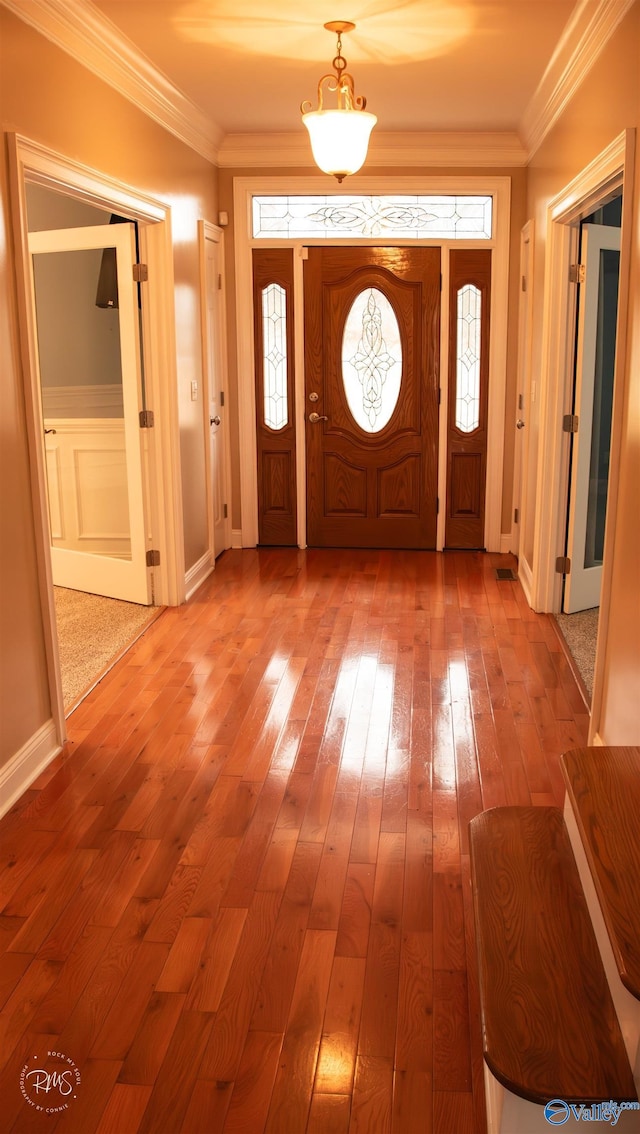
x=50 y=1083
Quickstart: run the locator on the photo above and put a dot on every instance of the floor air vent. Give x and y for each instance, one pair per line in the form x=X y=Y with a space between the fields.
x=505 y=573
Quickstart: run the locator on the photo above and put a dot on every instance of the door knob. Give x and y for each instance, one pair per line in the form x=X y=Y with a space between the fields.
x=214 y=420
x=519 y=423
x=313 y=417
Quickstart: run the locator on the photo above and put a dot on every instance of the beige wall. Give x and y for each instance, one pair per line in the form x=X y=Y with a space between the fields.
x=48 y=97
x=24 y=698
x=607 y=103
x=518 y=216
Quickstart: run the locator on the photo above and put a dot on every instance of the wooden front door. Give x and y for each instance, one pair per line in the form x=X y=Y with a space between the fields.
x=372 y=326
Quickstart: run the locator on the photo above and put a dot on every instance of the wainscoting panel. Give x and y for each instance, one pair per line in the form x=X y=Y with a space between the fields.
x=87 y=481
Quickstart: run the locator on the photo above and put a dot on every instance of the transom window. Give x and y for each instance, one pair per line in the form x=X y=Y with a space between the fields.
x=406 y=217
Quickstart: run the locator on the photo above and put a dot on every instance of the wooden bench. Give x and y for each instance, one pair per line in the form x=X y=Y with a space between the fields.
x=602 y=814
x=550 y=1030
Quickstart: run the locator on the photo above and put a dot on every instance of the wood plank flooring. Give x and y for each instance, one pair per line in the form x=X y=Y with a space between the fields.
x=240 y=899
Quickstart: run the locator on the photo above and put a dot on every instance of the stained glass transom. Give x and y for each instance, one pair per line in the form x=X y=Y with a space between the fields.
x=408 y=217
x=274 y=356
x=371 y=360
x=468 y=359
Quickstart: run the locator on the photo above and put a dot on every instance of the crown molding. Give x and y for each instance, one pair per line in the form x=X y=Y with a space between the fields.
x=589 y=28
x=94 y=41
x=417 y=150
x=81 y=30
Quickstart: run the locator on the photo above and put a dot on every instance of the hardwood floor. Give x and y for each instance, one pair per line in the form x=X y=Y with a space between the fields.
x=240 y=899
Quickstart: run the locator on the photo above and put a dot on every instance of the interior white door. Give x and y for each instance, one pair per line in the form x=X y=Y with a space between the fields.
x=595 y=361
x=214 y=380
x=89 y=368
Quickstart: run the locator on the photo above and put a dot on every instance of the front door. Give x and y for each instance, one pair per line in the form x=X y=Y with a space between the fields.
x=86 y=319
x=372 y=330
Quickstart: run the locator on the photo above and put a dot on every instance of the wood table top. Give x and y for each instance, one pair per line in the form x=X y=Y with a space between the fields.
x=603 y=785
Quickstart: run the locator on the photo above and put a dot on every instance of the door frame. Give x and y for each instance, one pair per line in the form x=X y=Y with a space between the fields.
x=31 y=162
x=244 y=188
x=610 y=171
x=207 y=231
x=522 y=451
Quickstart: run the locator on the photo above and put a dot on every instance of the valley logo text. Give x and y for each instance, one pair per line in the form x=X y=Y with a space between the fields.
x=557 y=1112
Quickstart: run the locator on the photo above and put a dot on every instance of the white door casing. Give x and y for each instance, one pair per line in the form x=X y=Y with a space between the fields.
x=521 y=511
x=108 y=470
x=215 y=394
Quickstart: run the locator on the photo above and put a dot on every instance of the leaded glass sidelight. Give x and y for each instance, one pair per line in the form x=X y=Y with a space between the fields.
x=468 y=359
x=371 y=360
x=274 y=356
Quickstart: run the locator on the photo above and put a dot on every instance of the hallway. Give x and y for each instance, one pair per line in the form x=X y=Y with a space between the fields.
x=240 y=899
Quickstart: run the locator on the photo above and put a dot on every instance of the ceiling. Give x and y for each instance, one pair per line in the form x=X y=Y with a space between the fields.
x=424 y=65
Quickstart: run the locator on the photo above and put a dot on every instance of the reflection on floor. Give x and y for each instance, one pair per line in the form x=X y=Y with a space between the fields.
x=580 y=632
x=92 y=633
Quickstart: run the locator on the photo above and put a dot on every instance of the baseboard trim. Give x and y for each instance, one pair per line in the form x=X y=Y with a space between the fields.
x=597 y=741
x=23 y=768
x=505 y=543
x=526 y=580
x=236 y=538
x=197 y=574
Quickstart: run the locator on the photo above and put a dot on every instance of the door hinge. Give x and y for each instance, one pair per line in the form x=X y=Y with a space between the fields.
x=140 y=273
x=516 y=516
x=225 y=512
x=222 y=397
x=219 y=281
x=153 y=558
x=524 y=283
x=570 y=423
x=577 y=273
x=146 y=419
x=563 y=565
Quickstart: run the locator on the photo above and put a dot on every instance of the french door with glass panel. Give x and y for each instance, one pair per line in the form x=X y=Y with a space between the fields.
x=89 y=367
x=372 y=331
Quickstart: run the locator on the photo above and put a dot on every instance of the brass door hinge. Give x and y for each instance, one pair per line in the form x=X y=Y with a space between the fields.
x=563 y=565
x=577 y=273
x=140 y=273
x=570 y=423
x=153 y=558
x=146 y=419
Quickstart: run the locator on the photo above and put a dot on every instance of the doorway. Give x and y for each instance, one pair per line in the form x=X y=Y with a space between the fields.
x=88 y=354
x=606 y=177
x=590 y=423
x=75 y=185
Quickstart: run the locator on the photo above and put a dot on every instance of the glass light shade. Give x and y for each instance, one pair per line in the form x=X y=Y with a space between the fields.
x=339 y=139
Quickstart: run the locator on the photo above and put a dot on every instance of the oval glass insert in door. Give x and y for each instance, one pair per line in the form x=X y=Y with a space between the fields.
x=371 y=360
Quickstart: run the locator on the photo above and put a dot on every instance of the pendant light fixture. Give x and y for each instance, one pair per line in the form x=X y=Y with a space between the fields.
x=339 y=137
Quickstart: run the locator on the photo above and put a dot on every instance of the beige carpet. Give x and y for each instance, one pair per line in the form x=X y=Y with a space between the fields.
x=92 y=633
x=580 y=632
